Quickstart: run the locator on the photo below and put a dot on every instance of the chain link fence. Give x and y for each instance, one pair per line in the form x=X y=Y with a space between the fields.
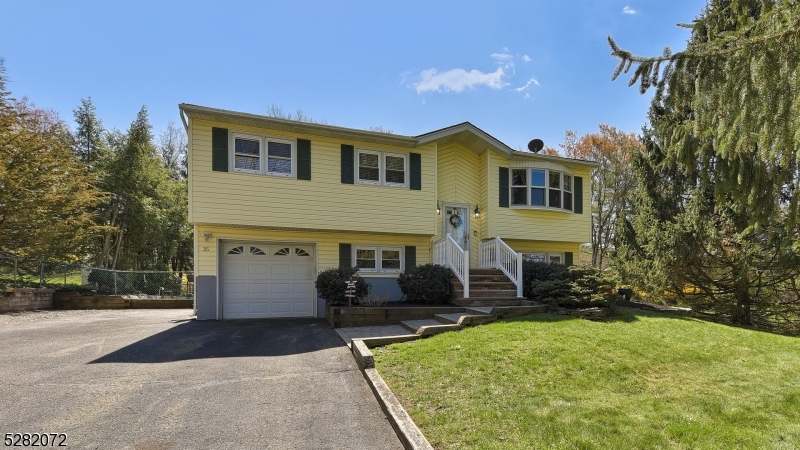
x=27 y=272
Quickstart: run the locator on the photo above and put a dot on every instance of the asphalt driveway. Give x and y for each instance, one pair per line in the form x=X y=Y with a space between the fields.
x=133 y=379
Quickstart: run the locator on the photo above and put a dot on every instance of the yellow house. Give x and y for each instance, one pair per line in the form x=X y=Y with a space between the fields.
x=275 y=201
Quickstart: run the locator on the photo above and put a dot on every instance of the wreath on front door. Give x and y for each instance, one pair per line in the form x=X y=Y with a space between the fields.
x=455 y=220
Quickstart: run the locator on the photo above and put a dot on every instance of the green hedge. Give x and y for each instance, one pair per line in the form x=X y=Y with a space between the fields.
x=331 y=285
x=428 y=284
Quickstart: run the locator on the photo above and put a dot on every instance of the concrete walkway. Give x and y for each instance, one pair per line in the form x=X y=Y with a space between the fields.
x=350 y=333
x=131 y=379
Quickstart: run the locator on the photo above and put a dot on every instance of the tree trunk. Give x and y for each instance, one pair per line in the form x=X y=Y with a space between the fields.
x=104 y=255
x=119 y=246
x=741 y=313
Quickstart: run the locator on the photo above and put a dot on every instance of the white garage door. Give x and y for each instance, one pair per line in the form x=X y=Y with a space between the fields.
x=267 y=280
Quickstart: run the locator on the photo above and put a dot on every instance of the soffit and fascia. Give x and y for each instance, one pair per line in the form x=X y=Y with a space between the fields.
x=291 y=126
x=465 y=134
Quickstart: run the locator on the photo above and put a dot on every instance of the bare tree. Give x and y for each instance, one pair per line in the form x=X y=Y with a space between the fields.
x=172 y=145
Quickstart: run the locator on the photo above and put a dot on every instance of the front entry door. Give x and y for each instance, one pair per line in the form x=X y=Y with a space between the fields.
x=456 y=222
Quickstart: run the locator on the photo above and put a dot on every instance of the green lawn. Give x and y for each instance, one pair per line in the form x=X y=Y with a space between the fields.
x=642 y=380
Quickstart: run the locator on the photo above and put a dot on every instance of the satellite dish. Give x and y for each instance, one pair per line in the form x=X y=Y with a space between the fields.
x=536 y=145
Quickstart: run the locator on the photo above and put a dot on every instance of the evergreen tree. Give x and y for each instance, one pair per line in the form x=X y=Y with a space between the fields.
x=89 y=134
x=145 y=219
x=716 y=220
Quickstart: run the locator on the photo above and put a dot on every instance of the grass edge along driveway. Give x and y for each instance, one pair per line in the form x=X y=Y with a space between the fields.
x=639 y=380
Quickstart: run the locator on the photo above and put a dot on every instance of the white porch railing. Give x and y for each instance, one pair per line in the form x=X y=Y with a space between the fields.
x=496 y=254
x=447 y=252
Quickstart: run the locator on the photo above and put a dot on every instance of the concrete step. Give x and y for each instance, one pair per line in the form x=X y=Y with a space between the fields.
x=449 y=318
x=465 y=319
x=429 y=327
x=493 y=293
x=480 y=310
x=414 y=325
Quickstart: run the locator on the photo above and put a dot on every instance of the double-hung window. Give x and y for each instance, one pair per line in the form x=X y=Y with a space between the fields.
x=263 y=155
x=538 y=189
x=554 y=190
x=541 y=188
x=379 y=259
x=519 y=187
x=382 y=168
x=567 y=191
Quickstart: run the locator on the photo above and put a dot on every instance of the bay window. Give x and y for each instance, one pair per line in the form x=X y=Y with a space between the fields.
x=542 y=188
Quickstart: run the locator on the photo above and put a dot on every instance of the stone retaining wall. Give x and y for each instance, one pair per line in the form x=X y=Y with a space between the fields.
x=73 y=300
x=26 y=299
x=361 y=316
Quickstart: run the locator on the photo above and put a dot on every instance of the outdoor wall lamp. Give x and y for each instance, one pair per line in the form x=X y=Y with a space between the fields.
x=477 y=211
x=438 y=209
x=206 y=235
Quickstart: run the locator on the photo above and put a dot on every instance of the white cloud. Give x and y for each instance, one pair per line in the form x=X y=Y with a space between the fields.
x=628 y=10
x=505 y=49
x=526 y=58
x=527 y=95
x=457 y=80
x=533 y=81
x=502 y=57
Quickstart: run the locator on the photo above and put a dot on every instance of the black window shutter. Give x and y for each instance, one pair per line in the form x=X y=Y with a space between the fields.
x=577 y=188
x=345 y=255
x=347 y=164
x=415 y=178
x=504 y=187
x=303 y=159
x=219 y=149
x=568 y=258
x=411 y=257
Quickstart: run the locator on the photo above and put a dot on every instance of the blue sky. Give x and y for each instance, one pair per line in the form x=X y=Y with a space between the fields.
x=518 y=70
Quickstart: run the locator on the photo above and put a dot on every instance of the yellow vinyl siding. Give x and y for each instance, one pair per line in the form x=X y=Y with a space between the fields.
x=321 y=203
x=460 y=182
x=537 y=224
x=327 y=244
x=546 y=247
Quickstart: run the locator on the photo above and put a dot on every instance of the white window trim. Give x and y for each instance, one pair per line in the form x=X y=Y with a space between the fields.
x=546 y=188
x=248 y=137
x=263 y=156
x=378 y=259
x=405 y=169
x=358 y=167
x=382 y=168
x=402 y=260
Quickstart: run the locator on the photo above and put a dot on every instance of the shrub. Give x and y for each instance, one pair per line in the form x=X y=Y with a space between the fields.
x=570 y=287
x=590 y=287
x=540 y=271
x=375 y=300
x=429 y=283
x=331 y=285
